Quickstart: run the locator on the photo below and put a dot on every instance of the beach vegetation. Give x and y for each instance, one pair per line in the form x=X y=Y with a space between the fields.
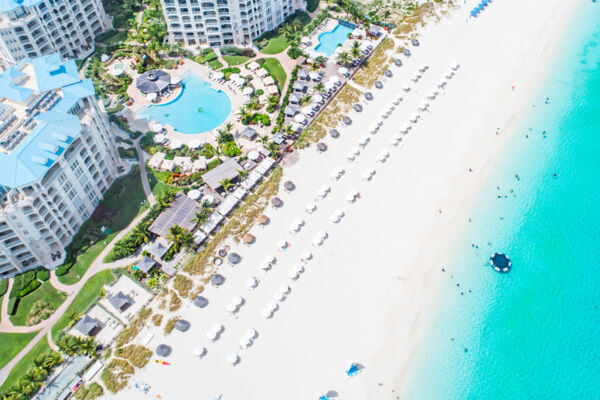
x=157 y=319
x=72 y=345
x=174 y=302
x=134 y=328
x=89 y=392
x=36 y=305
x=116 y=374
x=183 y=285
x=170 y=324
x=136 y=354
x=374 y=67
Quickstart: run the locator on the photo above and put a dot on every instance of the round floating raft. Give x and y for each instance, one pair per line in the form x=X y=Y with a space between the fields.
x=500 y=262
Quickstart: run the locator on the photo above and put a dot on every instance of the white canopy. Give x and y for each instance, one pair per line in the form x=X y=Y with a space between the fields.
x=285 y=289
x=272 y=306
x=265 y=266
x=334 y=79
x=313 y=75
x=268 y=81
x=327 y=188
x=248 y=90
x=194 y=144
x=175 y=144
x=350 y=198
x=251 y=333
x=293 y=274
x=278 y=296
x=338 y=212
x=253 y=155
x=219 y=75
x=232 y=359
x=307 y=110
x=317 y=98
x=306 y=255
x=156 y=127
x=194 y=194
x=266 y=313
x=310 y=207
x=343 y=70
x=270 y=259
x=237 y=300
x=253 y=66
x=231 y=308
x=251 y=283
x=151 y=96
x=208 y=198
x=300 y=118
x=234 y=76
x=305 y=40
x=261 y=72
x=317 y=241
x=245 y=342
x=175 y=80
x=160 y=138
x=414 y=118
x=216 y=327
x=211 y=335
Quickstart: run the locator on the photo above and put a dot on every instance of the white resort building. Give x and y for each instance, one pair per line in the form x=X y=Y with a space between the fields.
x=33 y=28
x=57 y=157
x=218 y=23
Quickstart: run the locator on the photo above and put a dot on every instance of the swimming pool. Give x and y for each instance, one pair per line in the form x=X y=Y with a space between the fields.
x=198 y=108
x=328 y=41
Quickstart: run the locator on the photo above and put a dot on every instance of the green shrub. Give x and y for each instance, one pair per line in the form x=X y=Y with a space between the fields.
x=212 y=164
x=12 y=305
x=3 y=286
x=259 y=92
x=43 y=274
x=136 y=134
x=311 y=5
x=62 y=269
x=208 y=151
x=169 y=64
x=29 y=288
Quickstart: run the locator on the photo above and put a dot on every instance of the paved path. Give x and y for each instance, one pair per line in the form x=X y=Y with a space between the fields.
x=356 y=85
x=45 y=327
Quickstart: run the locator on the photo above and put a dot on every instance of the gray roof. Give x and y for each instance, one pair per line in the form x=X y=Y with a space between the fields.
x=145 y=264
x=153 y=81
x=229 y=169
x=299 y=85
x=302 y=74
x=278 y=138
x=294 y=98
x=120 y=301
x=249 y=133
x=374 y=30
x=180 y=212
x=157 y=249
x=87 y=325
x=290 y=111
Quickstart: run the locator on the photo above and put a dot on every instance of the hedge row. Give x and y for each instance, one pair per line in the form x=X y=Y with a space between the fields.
x=43 y=274
x=29 y=288
x=21 y=282
x=286 y=98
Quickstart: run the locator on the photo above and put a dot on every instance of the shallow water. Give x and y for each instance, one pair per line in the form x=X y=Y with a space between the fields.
x=533 y=333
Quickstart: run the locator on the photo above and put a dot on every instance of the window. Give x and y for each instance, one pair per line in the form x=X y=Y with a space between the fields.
x=87 y=188
x=74 y=165
x=71 y=195
x=61 y=178
x=67 y=186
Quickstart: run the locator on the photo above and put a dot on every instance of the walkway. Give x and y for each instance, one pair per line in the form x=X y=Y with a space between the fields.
x=45 y=327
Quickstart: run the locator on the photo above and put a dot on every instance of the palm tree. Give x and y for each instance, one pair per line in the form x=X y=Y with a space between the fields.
x=305 y=99
x=243 y=174
x=288 y=130
x=315 y=67
x=274 y=149
x=343 y=58
x=386 y=15
x=355 y=52
x=320 y=87
x=264 y=139
x=88 y=347
x=200 y=217
x=176 y=236
x=320 y=60
x=228 y=127
x=226 y=184
x=187 y=240
x=140 y=234
x=273 y=100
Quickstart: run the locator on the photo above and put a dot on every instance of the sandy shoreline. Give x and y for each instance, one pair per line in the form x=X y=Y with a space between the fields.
x=370 y=291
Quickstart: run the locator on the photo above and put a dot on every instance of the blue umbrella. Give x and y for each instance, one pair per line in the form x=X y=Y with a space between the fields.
x=474 y=13
x=480 y=8
x=476 y=10
x=484 y=2
x=353 y=370
x=323 y=398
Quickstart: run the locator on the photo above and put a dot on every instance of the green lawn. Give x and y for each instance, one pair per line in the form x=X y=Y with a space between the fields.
x=11 y=344
x=235 y=60
x=127 y=199
x=111 y=37
x=215 y=64
x=276 y=45
x=273 y=67
x=128 y=153
x=86 y=296
x=47 y=292
x=155 y=183
x=26 y=363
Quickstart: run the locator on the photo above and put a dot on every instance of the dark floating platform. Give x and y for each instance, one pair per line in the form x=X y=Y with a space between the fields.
x=500 y=262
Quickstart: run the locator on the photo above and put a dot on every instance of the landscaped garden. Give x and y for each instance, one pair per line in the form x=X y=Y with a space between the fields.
x=123 y=201
x=274 y=68
x=11 y=344
x=37 y=305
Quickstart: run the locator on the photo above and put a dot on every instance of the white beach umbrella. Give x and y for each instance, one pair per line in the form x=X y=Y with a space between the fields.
x=406 y=88
x=160 y=138
x=266 y=313
x=322 y=234
x=391 y=106
x=321 y=193
x=311 y=207
x=405 y=128
x=317 y=98
x=299 y=268
x=270 y=259
x=212 y=335
x=294 y=228
x=379 y=122
x=231 y=308
x=326 y=188
x=150 y=97
x=265 y=266
x=198 y=351
x=194 y=144
x=356 y=150
x=300 y=118
x=234 y=76
x=307 y=110
x=455 y=66
x=384 y=114
x=233 y=359
x=449 y=74
x=247 y=90
x=281 y=244
x=293 y=274
x=194 y=194
x=245 y=342
x=317 y=241
x=424 y=106
x=272 y=306
x=397 y=99
x=343 y=71
x=367 y=176
x=423 y=67
x=334 y=218
x=285 y=289
x=339 y=170
x=156 y=127
x=393 y=142
x=251 y=283
x=414 y=78
x=251 y=333
x=216 y=328
x=278 y=296
x=306 y=255
x=175 y=144
x=397 y=137
x=237 y=301
x=414 y=118
x=441 y=83
x=299 y=221
x=350 y=198
x=431 y=95
x=339 y=212
x=364 y=139
x=374 y=128
x=351 y=156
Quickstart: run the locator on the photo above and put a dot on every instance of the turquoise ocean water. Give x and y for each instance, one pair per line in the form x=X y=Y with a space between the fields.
x=533 y=333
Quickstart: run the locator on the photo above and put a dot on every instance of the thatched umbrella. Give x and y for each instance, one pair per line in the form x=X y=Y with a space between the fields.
x=398 y=62
x=248 y=238
x=182 y=325
x=200 y=301
x=379 y=84
x=368 y=96
x=346 y=120
x=163 y=350
x=321 y=146
x=289 y=185
x=277 y=202
x=217 y=279
x=357 y=107
x=415 y=42
x=234 y=258
x=262 y=219
x=334 y=133
x=388 y=73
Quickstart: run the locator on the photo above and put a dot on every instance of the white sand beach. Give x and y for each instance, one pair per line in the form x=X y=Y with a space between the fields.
x=366 y=293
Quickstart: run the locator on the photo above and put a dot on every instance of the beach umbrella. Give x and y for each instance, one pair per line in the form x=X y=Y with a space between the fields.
x=357 y=107
x=200 y=301
x=397 y=99
x=414 y=118
x=265 y=266
x=294 y=228
x=321 y=146
x=248 y=238
x=237 y=301
x=266 y=313
x=245 y=342
x=299 y=268
x=379 y=122
x=473 y=13
x=277 y=202
x=397 y=137
x=351 y=156
x=405 y=128
x=327 y=188
x=310 y=207
x=272 y=306
x=322 y=194
x=233 y=359
x=366 y=176
x=160 y=138
x=231 y=308
x=374 y=128
x=317 y=241
x=247 y=91
x=322 y=234
x=441 y=83
x=306 y=255
x=300 y=118
x=175 y=144
x=251 y=283
x=398 y=62
x=208 y=198
x=194 y=194
x=338 y=212
x=393 y=142
x=371 y=171
x=382 y=156
x=198 y=351
x=234 y=258
x=423 y=67
x=289 y=185
x=163 y=350
x=406 y=88
x=406 y=52
x=299 y=221
x=234 y=76
x=424 y=106
x=354 y=192
x=449 y=74
x=156 y=127
x=415 y=42
x=281 y=244
x=334 y=218
x=346 y=120
x=388 y=73
x=262 y=219
x=216 y=327
x=343 y=71
x=414 y=78
x=339 y=171
x=270 y=259
x=251 y=333
x=431 y=95
x=455 y=65
x=278 y=296
x=364 y=140
x=350 y=198
x=384 y=114
x=368 y=96
x=212 y=335
x=217 y=279
x=355 y=150
x=182 y=325
x=317 y=98
x=293 y=274
x=334 y=133
x=379 y=84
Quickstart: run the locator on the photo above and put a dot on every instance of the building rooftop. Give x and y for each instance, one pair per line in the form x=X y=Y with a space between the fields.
x=180 y=212
x=9 y=5
x=228 y=170
x=36 y=125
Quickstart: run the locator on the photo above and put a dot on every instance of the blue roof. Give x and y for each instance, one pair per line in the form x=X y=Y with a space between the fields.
x=55 y=129
x=8 y=5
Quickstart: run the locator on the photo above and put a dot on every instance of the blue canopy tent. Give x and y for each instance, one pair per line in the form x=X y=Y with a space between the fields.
x=474 y=13
x=484 y=2
x=353 y=370
x=480 y=8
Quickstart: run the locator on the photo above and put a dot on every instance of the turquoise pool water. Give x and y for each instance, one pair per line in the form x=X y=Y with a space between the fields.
x=183 y=112
x=328 y=41
x=533 y=333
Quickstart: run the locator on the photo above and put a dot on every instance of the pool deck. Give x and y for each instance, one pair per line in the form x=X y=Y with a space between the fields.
x=235 y=96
